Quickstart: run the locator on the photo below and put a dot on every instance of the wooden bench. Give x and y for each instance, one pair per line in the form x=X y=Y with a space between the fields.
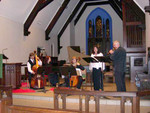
x=25 y=109
x=5 y=98
x=7 y=107
x=133 y=96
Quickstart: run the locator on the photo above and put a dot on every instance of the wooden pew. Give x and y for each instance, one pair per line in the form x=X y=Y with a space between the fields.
x=24 y=109
x=5 y=98
x=7 y=107
x=133 y=96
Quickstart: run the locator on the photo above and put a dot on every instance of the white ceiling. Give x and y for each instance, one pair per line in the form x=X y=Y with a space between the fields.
x=19 y=10
x=45 y=16
x=142 y=3
x=16 y=10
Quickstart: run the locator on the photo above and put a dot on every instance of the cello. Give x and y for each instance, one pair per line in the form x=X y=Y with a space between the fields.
x=37 y=81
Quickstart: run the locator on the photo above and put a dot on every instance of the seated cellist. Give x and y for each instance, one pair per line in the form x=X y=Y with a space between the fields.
x=79 y=68
x=31 y=62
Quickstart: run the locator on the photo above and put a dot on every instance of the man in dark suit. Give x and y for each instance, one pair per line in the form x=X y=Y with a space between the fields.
x=118 y=55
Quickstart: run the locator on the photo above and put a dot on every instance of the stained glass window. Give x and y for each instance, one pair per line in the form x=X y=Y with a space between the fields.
x=90 y=29
x=98 y=27
x=107 y=29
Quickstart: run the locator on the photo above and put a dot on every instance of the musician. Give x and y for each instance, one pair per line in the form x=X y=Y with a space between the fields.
x=79 y=68
x=118 y=55
x=31 y=62
x=96 y=68
x=52 y=76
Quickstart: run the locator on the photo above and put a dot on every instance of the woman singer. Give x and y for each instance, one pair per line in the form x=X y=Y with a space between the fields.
x=96 y=69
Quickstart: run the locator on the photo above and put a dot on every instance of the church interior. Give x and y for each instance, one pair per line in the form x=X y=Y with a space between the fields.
x=60 y=30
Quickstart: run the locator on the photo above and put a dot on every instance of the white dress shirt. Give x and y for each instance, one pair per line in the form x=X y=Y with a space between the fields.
x=29 y=65
x=96 y=65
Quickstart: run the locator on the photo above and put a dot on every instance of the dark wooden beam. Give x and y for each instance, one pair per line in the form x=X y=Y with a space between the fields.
x=89 y=4
x=39 y=6
x=71 y=17
x=117 y=7
x=55 y=19
x=124 y=24
x=133 y=23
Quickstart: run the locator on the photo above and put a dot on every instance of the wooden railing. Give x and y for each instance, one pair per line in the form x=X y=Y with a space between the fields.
x=5 y=98
x=134 y=96
x=6 y=105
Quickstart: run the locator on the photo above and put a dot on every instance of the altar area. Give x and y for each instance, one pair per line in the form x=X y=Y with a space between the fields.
x=107 y=105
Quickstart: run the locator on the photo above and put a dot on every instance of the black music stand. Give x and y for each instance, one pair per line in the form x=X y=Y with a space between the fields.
x=102 y=59
x=90 y=59
x=68 y=71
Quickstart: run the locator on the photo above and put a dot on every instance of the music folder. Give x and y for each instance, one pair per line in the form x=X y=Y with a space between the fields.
x=90 y=59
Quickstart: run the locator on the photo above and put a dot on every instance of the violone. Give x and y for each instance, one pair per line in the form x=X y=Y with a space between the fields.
x=36 y=66
x=37 y=81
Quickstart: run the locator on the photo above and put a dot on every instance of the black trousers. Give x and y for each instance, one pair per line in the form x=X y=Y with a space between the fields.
x=120 y=80
x=53 y=78
x=30 y=78
x=80 y=80
x=97 y=79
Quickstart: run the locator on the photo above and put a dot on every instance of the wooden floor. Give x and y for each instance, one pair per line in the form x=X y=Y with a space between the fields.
x=111 y=105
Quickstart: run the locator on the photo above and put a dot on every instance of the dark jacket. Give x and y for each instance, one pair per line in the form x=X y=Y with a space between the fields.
x=119 y=59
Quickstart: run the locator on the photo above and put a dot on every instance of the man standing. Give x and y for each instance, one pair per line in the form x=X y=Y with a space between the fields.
x=118 y=55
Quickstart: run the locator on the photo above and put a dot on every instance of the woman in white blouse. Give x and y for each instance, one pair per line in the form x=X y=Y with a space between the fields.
x=96 y=69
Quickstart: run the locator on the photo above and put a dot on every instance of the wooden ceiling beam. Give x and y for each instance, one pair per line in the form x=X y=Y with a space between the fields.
x=39 y=6
x=55 y=19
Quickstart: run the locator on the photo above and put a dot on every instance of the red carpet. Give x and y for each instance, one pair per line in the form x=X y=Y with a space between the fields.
x=23 y=91
x=24 y=84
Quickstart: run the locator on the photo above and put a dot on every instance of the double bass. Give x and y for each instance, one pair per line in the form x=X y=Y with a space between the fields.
x=37 y=81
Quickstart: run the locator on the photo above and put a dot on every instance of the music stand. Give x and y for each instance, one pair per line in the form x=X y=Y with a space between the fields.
x=102 y=59
x=68 y=71
x=90 y=59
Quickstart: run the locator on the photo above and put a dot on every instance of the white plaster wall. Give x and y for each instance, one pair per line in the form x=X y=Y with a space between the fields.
x=18 y=46
x=80 y=28
x=147 y=31
x=64 y=41
x=53 y=41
